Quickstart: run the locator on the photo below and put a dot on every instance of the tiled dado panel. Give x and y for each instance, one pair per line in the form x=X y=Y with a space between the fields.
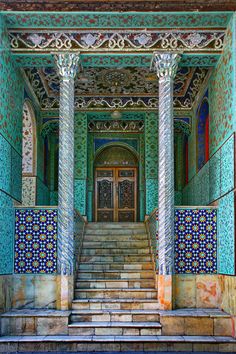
x=36 y=241
x=215 y=178
x=10 y=170
x=6 y=233
x=195 y=241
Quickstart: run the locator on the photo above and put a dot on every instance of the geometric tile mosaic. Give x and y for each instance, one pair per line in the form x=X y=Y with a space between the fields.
x=195 y=241
x=36 y=241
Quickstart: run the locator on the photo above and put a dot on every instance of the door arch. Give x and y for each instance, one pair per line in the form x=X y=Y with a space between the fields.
x=116 y=169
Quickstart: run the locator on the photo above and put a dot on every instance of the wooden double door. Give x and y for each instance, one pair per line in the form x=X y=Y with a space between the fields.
x=116 y=194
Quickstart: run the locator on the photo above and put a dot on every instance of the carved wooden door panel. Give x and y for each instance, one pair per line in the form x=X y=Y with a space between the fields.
x=126 y=194
x=115 y=194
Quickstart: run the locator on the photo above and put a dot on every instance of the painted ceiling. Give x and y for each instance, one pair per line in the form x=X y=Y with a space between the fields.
x=123 y=88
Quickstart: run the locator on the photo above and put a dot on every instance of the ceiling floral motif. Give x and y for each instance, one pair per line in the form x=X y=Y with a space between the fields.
x=112 y=40
x=116 y=88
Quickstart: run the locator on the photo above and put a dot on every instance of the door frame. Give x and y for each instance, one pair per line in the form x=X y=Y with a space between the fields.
x=115 y=199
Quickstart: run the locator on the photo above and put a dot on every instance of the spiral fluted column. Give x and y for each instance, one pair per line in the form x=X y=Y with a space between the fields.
x=67 y=65
x=166 y=66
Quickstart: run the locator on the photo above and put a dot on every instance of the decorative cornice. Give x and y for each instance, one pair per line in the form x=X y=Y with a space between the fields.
x=93 y=41
x=116 y=20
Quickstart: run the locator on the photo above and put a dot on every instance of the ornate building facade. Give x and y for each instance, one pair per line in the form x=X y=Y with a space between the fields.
x=117 y=178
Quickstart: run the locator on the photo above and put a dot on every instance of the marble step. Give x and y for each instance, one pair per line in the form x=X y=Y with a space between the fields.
x=115 y=238
x=117 y=232
x=115 y=294
x=115 y=316
x=115 y=244
x=114 y=251
x=117 y=258
x=115 y=225
x=117 y=284
x=115 y=266
x=111 y=344
x=111 y=274
x=115 y=328
x=115 y=304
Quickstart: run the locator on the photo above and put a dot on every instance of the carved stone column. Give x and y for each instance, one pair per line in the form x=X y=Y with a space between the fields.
x=166 y=66
x=67 y=64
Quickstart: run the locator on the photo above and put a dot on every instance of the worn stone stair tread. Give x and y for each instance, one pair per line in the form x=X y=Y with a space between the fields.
x=106 y=324
x=113 y=300
x=74 y=338
x=117 y=262
x=115 y=312
x=113 y=271
x=116 y=289
x=100 y=280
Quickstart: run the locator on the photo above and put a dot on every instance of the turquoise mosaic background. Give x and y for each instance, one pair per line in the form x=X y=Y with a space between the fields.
x=222 y=92
x=11 y=93
x=80 y=183
x=151 y=161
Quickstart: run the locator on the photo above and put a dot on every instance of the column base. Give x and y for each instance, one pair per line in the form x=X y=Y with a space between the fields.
x=65 y=291
x=165 y=292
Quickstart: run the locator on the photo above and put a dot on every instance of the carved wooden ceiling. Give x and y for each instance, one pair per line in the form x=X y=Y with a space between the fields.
x=116 y=88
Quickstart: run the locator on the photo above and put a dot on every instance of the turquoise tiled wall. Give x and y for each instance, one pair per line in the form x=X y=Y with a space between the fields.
x=11 y=94
x=215 y=181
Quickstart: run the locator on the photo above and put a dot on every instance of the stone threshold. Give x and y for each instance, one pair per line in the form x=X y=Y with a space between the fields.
x=156 y=339
x=191 y=312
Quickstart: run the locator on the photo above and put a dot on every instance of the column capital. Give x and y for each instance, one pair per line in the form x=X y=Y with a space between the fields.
x=165 y=64
x=67 y=64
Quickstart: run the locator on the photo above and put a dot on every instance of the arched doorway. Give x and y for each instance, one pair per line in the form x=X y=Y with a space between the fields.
x=116 y=169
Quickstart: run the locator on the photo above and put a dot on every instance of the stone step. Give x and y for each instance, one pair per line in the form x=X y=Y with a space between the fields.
x=115 y=251
x=115 y=238
x=115 y=316
x=117 y=232
x=115 y=328
x=85 y=344
x=111 y=274
x=115 y=266
x=115 y=304
x=116 y=244
x=118 y=258
x=115 y=294
x=117 y=284
x=115 y=225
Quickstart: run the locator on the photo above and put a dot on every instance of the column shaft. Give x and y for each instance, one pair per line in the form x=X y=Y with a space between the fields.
x=67 y=66
x=166 y=176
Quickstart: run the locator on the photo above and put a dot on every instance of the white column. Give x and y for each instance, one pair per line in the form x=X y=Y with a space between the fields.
x=67 y=65
x=166 y=66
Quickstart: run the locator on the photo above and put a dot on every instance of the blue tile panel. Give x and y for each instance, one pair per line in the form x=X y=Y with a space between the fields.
x=7 y=234
x=195 y=241
x=226 y=235
x=36 y=241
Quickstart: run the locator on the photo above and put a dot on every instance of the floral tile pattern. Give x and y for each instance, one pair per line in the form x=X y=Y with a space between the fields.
x=36 y=241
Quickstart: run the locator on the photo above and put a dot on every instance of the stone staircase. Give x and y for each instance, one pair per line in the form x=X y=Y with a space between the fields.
x=115 y=293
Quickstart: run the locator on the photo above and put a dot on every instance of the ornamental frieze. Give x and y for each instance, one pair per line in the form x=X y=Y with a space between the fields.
x=115 y=41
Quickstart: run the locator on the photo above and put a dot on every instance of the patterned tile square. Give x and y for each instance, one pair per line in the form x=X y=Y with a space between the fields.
x=36 y=241
x=80 y=195
x=215 y=176
x=5 y=165
x=16 y=175
x=227 y=166
x=226 y=236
